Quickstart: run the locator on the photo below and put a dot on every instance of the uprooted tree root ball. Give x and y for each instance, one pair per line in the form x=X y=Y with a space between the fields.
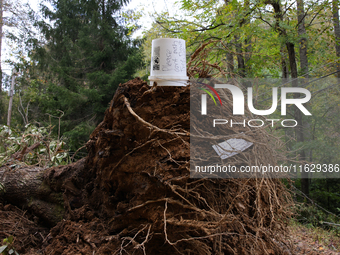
x=138 y=184
x=133 y=193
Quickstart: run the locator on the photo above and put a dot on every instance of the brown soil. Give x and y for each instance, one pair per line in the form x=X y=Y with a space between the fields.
x=28 y=234
x=133 y=195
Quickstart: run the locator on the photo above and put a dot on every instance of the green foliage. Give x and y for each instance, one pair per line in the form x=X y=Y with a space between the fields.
x=253 y=26
x=84 y=55
x=8 y=248
x=47 y=152
x=78 y=136
x=313 y=216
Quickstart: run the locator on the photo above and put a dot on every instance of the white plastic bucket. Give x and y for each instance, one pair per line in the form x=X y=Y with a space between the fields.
x=168 y=62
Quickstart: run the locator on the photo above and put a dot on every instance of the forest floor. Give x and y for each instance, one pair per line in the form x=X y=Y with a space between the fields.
x=28 y=236
x=311 y=240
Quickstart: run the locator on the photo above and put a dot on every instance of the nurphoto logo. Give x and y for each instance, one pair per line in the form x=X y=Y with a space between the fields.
x=239 y=105
x=238 y=99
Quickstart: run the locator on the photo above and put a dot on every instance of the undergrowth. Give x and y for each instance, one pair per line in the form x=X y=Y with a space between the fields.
x=313 y=216
x=33 y=146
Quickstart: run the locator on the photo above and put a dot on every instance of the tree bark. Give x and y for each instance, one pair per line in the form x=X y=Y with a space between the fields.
x=292 y=62
x=230 y=59
x=247 y=42
x=285 y=73
x=303 y=38
x=46 y=193
x=9 y=115
x=304 y=70
x=240 y=59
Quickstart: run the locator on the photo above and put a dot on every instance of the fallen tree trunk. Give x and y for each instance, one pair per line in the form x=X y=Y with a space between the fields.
x=45 y=192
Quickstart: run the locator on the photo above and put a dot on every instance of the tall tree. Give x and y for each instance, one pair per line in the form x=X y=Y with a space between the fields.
x=303 y=38
x=279 y=18
x=88 y=52
x=304 y=70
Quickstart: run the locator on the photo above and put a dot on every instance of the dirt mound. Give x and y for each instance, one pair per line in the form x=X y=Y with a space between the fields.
x=136 y=196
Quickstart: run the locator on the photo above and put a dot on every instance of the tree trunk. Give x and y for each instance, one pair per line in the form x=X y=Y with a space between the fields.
x=292 y=62
x=285 y=73
x=335 y=11
x=298 y=116
x=240 y=59
x=303 y=38
x=9 y=115
x=230 y=59
x=294 y=74
x=304 y=70
x=247 y=42
x=42 y=191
